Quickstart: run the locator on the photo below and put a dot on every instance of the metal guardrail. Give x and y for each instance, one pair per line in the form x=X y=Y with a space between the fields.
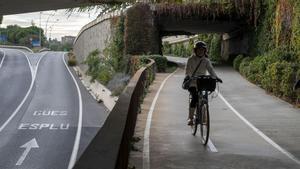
x=111 y=146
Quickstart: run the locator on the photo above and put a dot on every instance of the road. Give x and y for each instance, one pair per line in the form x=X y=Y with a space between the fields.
x=249 y=129
x=57 y=119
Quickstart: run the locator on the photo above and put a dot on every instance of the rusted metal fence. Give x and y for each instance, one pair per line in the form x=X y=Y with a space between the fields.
x=110 y=147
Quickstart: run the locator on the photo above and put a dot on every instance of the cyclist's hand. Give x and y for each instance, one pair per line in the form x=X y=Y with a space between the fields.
x=219 y=80
x=187 y=78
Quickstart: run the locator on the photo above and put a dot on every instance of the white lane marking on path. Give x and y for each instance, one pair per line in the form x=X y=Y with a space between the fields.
x=28 y=146
x=2 y=60
x=211 y=146
x=33 y=76
x=260 y=133
x=146 y=148
x=79 y=126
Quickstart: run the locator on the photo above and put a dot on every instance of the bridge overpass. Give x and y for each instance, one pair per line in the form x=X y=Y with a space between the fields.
x=20 y=6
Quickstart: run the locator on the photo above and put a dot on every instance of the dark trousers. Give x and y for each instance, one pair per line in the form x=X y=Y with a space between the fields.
x=194 y=94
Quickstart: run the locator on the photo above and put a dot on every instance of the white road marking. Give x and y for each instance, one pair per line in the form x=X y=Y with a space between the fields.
x=41 y=126
x=79 y=126
x=2 y=60
x=146 y=148
x=260 y=133
x=211 y=146
x=33 y=76
x=28 y=146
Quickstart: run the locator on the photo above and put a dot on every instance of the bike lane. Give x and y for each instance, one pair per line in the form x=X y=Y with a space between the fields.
x=276 y=118
x=234 y=144
x=43 y=136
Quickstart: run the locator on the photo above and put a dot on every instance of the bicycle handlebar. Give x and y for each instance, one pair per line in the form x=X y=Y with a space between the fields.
x=207 y=77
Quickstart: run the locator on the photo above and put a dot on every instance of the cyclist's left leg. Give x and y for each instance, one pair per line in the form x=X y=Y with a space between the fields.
x=192 y=106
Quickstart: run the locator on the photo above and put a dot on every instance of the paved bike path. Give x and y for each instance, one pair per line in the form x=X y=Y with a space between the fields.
x=238 y=146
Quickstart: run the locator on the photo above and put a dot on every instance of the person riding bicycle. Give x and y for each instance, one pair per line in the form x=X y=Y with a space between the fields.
x=200 y=55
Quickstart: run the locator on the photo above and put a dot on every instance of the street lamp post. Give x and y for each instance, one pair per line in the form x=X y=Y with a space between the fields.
x=51 y=27
x=46 y=29
x=40 y=31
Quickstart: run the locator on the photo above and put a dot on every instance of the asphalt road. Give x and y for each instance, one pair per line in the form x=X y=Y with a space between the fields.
x=15 y=80
x=56 y=122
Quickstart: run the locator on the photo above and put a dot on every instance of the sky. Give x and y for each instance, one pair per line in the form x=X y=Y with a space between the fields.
x=62 y=24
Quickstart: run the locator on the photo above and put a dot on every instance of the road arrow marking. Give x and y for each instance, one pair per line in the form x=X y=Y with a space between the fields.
x=28 y=146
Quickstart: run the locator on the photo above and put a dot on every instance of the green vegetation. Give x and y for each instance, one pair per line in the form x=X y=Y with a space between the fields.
x=237 y=62
x=17 y=35
x=185 y=49
x=161 y=62
x=141 y=33
x=99 y=68
x=275 y=49
x=72 y=61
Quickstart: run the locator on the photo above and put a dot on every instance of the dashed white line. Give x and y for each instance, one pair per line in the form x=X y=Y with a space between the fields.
x=2 y=60
x=260 y=133
x=79 y=126
x=146 y=149
x=33 y=76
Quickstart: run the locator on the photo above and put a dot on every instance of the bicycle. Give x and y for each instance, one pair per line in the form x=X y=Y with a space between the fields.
x=206 y=85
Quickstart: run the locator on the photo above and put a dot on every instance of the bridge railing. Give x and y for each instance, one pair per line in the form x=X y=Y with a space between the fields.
x=111 y=146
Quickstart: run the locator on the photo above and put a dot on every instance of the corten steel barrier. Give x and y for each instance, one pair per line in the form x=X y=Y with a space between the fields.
x=111 y=146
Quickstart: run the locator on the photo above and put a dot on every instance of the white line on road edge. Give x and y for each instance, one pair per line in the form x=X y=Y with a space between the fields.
x=146 y=148
x=79 y=126
x=33 y=76
x=260 y=133
x=211 y=146
x=2 y=60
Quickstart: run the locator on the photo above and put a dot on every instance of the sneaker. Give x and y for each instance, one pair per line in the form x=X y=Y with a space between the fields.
x=190 y=122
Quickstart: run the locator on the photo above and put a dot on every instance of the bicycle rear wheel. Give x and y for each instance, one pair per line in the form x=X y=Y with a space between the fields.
x=204 y=123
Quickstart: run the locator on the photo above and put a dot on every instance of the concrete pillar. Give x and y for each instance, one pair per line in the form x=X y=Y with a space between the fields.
x=141 y=31
x=233 y=44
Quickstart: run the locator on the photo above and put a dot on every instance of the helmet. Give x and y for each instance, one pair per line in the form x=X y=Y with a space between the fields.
x=200 y=44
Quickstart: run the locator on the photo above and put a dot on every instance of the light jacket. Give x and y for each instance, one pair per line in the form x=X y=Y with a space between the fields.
x=204 y=67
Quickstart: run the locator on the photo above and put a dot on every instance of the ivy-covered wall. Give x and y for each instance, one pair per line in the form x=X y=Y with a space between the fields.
x=274 y=59
x=141 y=31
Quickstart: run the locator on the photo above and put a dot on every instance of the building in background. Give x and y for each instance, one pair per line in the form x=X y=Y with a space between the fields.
x=68 y=40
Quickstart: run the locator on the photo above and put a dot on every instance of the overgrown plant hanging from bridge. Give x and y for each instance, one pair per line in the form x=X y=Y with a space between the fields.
x=210 y=9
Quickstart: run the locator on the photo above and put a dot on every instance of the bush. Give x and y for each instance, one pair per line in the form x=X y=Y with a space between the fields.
x=99 y=68
x=161 y=62
x=257 y=68
x=72 y=59
x=237 y=61
x=287 y=82
x=272 y=77
x=244 y=66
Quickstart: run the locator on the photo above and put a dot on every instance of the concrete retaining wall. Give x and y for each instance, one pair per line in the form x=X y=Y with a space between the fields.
x=94 y=35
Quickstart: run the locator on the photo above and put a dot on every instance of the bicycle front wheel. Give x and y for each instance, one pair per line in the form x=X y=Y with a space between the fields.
x=204 y=123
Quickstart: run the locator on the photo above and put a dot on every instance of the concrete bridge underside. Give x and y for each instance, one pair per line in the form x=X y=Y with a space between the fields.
x=234 y=36
x=173 y=27
x=22 y=6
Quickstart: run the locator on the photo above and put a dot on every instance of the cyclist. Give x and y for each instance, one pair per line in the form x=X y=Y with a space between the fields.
x=199 y=60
